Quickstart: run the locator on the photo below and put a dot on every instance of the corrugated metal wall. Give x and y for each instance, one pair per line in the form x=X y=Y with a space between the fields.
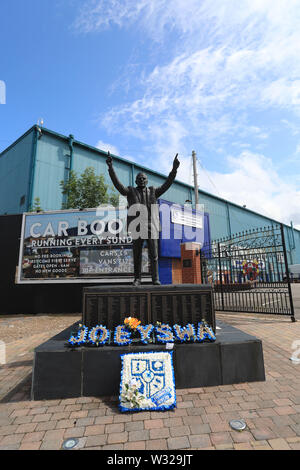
x=241 y=220
x=52 y=159
x=53 y=162
x=15 y=166
x=52 y=165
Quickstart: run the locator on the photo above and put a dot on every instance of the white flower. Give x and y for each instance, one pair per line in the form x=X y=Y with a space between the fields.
x=133 y=382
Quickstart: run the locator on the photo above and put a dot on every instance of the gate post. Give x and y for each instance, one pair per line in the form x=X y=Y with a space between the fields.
x=287 y=273
x=221 y=281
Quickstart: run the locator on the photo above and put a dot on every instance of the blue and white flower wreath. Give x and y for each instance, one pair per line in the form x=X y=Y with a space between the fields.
x=80 y=338
x=147 y=381
x=164 y=333
x=99 y=335
x=145 y=332
x=122 y=337
x=185 y=333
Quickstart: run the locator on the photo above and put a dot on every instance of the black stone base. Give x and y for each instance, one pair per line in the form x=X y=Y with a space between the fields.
x=60 y=372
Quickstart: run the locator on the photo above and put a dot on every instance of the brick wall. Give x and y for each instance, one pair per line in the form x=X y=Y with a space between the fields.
x=176 y=271
x=190 y=263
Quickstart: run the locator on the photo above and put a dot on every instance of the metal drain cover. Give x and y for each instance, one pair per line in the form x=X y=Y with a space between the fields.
x=70 y=443
x=238 y=424
x=295 y=360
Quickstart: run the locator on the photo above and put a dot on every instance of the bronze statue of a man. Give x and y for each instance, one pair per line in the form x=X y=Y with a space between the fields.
x=144 y=200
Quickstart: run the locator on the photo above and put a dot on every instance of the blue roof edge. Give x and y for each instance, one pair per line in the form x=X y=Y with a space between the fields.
x=18 y=140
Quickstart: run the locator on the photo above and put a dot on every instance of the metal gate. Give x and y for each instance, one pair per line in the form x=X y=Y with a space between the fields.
x=249 y=272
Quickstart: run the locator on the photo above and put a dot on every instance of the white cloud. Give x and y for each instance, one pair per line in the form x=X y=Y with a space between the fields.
x=114 y=151
x=294 y=129
x=107 y=147
x=187 y=16
x=253 y=181
x=229 y=58
x=283 y=92
x=154 y=16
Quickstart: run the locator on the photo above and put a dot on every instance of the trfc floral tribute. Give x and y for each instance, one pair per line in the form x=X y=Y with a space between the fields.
x=133 y=331
x=147 y=382
x=147 y=378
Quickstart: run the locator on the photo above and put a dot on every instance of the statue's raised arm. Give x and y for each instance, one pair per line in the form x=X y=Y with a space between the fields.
x=176 y=162
x=116 y=182
x=165 y=186
x=109 y=160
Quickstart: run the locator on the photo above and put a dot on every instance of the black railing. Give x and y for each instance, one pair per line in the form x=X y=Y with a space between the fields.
x=249 y=272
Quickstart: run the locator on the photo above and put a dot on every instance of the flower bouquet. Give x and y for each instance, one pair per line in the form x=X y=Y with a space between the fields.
x=131 y=324
x=131 y=397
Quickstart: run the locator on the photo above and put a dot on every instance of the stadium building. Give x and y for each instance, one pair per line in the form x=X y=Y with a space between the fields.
x=35 y=164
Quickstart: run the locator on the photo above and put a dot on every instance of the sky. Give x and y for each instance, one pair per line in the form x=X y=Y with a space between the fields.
x=149 y=79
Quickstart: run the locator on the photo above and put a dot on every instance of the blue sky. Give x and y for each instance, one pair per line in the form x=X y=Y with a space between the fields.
x=148 y=79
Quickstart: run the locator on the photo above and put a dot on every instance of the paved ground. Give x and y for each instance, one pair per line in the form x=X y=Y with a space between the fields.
x=271 y=409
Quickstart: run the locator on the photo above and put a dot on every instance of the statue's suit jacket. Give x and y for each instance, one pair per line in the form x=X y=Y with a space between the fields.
x=134 y=197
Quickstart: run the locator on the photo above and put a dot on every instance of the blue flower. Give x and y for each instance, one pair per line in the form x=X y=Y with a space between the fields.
x=185 y=333
x=121 y=336
x=164 y=334
x=145 y=332
x=80 y=338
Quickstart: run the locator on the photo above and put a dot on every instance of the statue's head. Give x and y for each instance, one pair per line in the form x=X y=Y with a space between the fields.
x=141 y=180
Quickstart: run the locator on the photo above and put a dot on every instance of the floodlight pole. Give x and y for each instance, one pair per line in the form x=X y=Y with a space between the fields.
x=195 y=178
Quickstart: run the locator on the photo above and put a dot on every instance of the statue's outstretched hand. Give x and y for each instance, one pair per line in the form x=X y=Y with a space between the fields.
x=109 y=160
x=176 y=162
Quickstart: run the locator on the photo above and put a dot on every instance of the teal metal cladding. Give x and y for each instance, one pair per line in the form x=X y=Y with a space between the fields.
x=15 y=166
x=36 y=171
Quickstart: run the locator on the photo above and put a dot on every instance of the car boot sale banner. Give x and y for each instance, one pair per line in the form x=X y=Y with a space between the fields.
x=76 y=246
